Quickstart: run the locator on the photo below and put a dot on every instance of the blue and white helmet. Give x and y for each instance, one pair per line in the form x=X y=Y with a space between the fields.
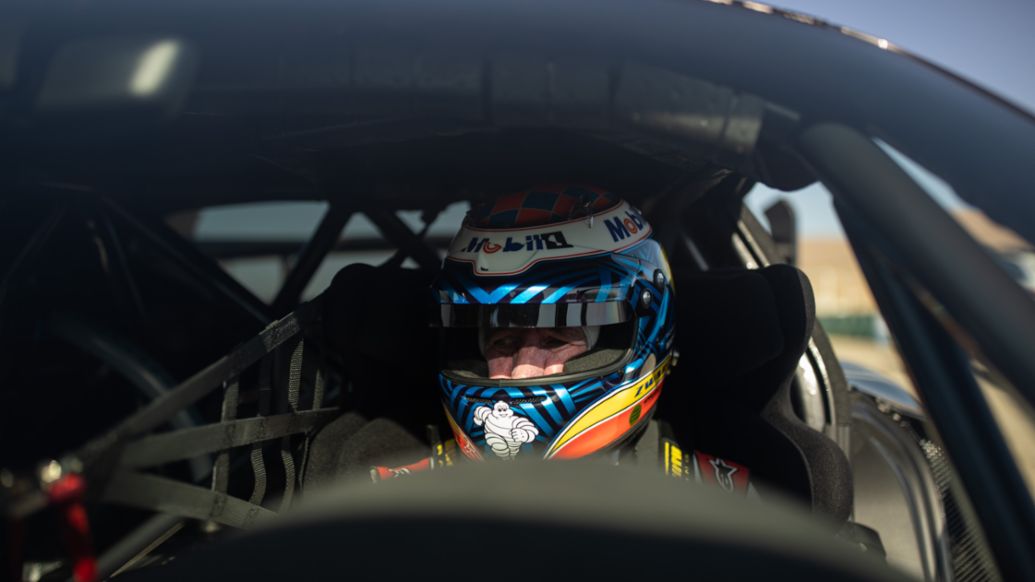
x=554 y=257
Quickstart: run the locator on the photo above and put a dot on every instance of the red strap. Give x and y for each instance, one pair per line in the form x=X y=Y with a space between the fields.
x=379 y=473
x=67 y=492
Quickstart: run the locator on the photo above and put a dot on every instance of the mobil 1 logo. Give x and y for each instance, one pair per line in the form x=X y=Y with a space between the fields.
x=532 y=242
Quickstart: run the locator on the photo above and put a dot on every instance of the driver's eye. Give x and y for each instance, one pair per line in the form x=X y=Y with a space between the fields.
x=504 y=344
x=551 y=342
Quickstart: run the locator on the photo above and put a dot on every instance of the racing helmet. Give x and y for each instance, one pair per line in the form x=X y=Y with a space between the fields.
x=571 y=259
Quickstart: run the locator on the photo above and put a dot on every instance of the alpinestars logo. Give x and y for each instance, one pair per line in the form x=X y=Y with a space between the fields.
x=723 y=473
x=532 y=242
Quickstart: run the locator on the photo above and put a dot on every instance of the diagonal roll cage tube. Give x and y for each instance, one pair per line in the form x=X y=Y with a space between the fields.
x=882 y=209
x=187 y=256
x=409 y=242
x=124 y=277
x=226 y=368
x=311 y=257
x=932 y=245
x=100 y=458
x=113 y=463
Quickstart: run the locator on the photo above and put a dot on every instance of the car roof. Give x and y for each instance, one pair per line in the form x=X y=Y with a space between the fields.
x=303 y=99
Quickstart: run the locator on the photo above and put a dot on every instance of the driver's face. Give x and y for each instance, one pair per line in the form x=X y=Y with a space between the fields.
x=529 y=353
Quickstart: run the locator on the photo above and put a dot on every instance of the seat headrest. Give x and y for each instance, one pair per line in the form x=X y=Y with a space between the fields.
x=379 y=313
x=733 y=323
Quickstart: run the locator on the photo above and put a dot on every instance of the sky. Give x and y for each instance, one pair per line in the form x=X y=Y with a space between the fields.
x=990 y=43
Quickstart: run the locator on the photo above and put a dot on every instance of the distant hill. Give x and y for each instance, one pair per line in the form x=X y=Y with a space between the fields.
x=839 y=285
x=988 y=233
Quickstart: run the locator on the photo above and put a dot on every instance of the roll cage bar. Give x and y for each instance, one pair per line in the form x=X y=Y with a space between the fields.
x=276 y=389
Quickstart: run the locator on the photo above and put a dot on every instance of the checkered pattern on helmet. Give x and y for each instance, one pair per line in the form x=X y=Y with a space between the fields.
x=541 y=205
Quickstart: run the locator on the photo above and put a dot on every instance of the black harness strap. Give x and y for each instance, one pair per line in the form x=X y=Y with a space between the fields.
x=295 y=375
x=164 y=407
x=221 y=467
x=168 y=496
x=112 y=459
x=190 y=442
x=256 y=456
x=319 y=387
x=294 y=389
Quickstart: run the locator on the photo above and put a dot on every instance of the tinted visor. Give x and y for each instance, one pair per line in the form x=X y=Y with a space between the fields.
x=534 y=315
x=464 y=356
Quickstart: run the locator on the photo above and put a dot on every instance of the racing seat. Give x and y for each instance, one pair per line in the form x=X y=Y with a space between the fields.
x=375 y=321
x=740 y=335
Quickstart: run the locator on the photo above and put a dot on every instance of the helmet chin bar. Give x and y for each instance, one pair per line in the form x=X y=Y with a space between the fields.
x=507 y=420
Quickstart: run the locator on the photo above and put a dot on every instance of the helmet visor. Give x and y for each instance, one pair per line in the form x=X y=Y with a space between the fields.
x=534 y=315
x=531 y=355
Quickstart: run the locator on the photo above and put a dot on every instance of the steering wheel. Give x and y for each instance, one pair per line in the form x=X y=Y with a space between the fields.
x=529 y=520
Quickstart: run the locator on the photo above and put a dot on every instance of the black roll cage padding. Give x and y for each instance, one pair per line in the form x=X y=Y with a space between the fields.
x=232 y=249
x=428 y=217
x=26 y=256
x=929 y=243
x=189 y=258
x=937 y=362
x=125 y=283
x=395 y=230
x=327 y=239
x=929 y=276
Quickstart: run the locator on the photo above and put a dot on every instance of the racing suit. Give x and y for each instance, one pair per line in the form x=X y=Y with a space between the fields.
x=650 y=447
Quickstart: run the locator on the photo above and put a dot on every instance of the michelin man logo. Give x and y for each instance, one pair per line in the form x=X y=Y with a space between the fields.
x=504 y=432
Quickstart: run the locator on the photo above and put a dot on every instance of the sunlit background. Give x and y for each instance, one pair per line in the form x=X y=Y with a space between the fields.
x=986 y=42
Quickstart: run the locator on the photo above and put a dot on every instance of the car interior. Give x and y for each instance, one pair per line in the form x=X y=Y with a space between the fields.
x=741 y=332
x=194 y=408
